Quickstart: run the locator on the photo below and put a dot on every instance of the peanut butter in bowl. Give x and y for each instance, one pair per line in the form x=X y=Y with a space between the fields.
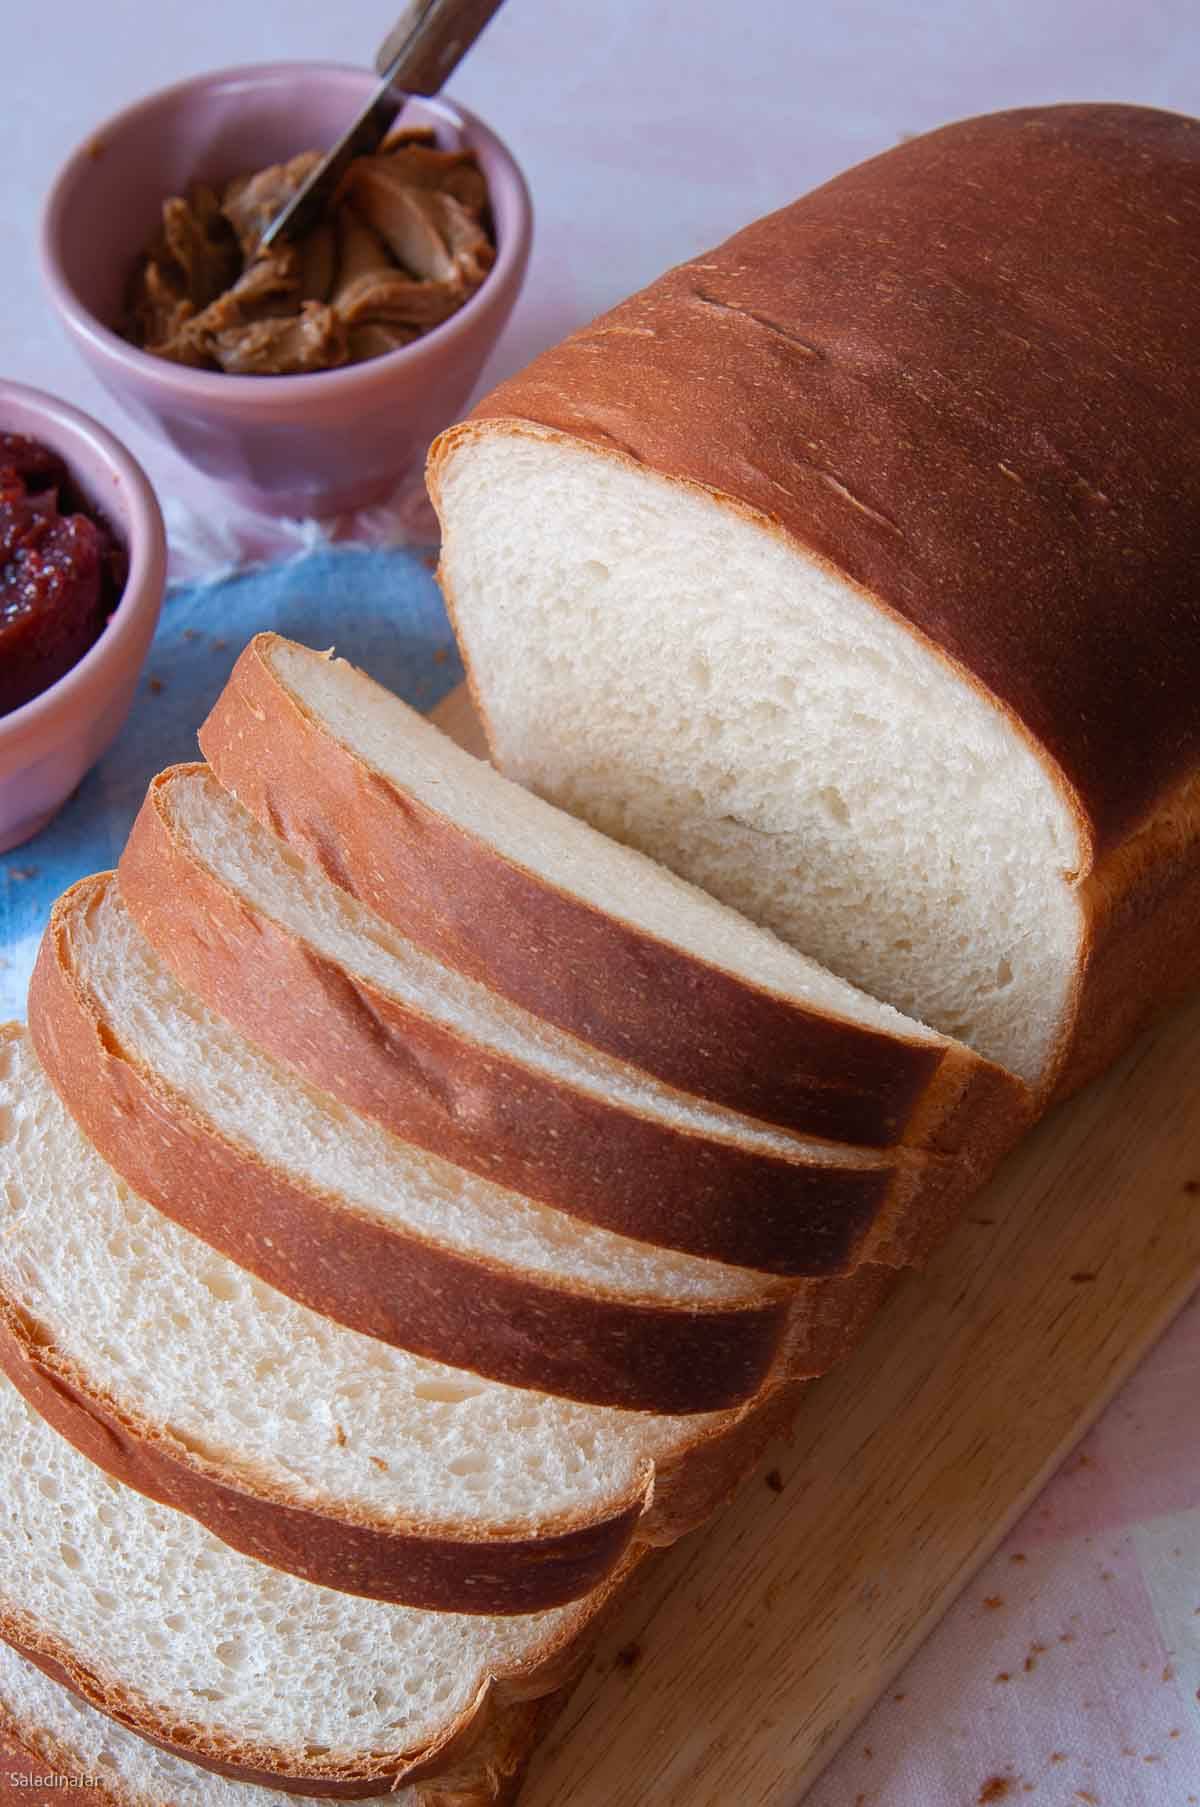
x=406 y=241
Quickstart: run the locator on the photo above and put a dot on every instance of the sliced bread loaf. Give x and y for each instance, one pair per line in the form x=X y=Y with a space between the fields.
x=849 y=569
x=339 y=1214
x=446 y=1063
x=582 y=932
x=324 y=1452
x=47 y=1732
x=235 y=1665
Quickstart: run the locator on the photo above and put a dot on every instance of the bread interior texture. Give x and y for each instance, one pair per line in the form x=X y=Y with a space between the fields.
x=286 y=1401
x=73 y=1739
x=200 y=1639
x=692 y=683
x=420 y=760
x=246 y=857
x=311 y=1140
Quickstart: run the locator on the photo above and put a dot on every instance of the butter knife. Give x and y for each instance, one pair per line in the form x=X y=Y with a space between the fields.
x=428 y=41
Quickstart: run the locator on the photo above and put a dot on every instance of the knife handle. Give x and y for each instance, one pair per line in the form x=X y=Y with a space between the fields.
x=429 y=39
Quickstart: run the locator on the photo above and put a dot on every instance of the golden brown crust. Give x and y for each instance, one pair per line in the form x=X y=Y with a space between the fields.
x=498 y=1116
x=470 y=1313
x=700 y=1481
x=1008 y=306
x=494 y=1779
x=1141 y=938
x=578 y=967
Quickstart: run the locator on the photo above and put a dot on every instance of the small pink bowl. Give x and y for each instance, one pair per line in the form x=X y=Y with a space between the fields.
x=297 y=445
x=49 y=743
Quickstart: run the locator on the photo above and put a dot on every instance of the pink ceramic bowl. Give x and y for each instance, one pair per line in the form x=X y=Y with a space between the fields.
x=49 y=743
x=297 y=445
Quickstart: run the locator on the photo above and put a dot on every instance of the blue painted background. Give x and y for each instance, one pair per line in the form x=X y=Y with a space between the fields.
x=380 y=609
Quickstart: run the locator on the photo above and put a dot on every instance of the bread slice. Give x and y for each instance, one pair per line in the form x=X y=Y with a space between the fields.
x=340 y=1215
x=48 y=1732
x=235 y=1665
x=583 y=933
x=439 y=1059
x=846 y=570
x=312 y=1447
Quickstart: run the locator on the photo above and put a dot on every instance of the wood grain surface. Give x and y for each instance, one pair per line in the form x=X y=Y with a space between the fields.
x=753 y=1649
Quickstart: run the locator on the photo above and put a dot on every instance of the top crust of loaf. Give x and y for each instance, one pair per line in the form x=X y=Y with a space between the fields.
x=965 y=374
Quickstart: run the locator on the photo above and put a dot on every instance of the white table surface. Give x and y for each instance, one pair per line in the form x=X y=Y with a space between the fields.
x=649 y=129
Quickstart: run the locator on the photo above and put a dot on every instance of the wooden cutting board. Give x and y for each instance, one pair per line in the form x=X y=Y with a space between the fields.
x=753 y=1649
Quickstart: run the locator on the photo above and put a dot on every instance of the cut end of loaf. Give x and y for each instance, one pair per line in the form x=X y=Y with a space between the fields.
x=693 y=682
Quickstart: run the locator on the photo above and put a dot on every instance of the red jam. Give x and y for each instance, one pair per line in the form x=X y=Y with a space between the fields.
x=62 y=571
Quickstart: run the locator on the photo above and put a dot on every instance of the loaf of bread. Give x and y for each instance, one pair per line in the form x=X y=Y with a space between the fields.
x=850 y=570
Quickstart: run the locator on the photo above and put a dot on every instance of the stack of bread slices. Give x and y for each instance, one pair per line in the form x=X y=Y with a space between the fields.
x=414 y=1206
